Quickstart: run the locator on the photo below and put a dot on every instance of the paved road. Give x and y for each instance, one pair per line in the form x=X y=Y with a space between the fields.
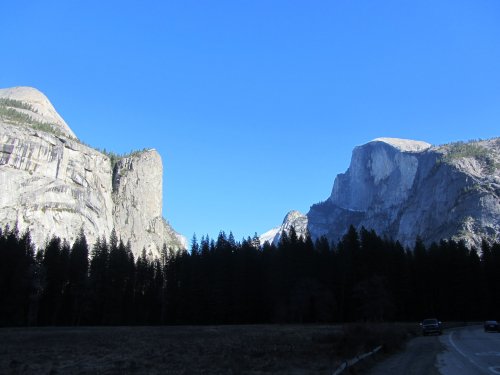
x=471 y=351
x=459 y=351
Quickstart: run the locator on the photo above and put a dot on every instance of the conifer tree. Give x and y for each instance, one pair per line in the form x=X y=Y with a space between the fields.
x=55 y=274
x=98 y=283
x=78 y=275
x=18 y=283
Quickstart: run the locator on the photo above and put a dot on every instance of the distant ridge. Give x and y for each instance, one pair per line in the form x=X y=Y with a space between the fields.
x=404 y=189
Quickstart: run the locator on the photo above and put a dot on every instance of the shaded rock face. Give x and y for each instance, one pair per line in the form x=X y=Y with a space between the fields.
x=407 y=189
x=379 y=176
x=54 y=185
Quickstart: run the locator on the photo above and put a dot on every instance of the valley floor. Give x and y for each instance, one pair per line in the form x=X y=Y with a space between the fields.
x=258 y=349
x=167 y=350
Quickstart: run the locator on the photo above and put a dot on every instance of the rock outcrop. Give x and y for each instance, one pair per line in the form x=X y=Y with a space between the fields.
x=295 y=220
x=137 y=198
x=54 y=185
x=407 y=189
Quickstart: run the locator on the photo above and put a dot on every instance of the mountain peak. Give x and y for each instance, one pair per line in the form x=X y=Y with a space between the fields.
x=37 y=107
x=404 y=189
x=293 y=219
x=405 y=145
x=24 y=93
x=291 y=216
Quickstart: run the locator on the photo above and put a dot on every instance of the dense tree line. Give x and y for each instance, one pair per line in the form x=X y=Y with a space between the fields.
x=222 y=281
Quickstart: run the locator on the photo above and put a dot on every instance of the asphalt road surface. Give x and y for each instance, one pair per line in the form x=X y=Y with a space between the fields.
x=459 y=351
x=470 y=350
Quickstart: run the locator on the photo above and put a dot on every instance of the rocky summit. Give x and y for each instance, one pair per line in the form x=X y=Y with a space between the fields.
x=52 y=184
x=405 y=189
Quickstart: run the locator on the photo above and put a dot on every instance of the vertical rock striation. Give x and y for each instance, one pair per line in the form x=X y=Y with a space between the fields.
x=52 y=184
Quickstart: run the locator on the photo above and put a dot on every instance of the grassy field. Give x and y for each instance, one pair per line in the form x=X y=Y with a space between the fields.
x=259 y=349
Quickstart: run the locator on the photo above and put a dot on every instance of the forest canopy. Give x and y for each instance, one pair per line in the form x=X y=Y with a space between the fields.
x=363 y=277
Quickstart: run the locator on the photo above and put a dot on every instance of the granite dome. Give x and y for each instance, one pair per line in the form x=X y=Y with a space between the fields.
x=52 y=184
x=405 y=189
x=39 y=107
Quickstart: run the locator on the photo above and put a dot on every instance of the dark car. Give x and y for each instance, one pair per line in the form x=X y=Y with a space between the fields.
x=431 y=326
x=491 y=326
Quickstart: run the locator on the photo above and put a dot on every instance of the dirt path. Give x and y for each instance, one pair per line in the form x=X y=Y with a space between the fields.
x=418 y=358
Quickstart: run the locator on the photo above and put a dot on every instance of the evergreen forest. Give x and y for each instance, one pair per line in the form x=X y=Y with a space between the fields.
x=363 y=277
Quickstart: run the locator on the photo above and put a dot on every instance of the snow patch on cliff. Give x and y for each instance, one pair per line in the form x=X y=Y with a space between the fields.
x=269 y=236
x=293 y=219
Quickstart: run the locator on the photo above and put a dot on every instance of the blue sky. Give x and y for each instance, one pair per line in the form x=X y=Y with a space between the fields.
x=255 y=106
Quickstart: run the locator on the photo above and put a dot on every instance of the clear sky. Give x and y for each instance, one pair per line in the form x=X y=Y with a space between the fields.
x=255 y=106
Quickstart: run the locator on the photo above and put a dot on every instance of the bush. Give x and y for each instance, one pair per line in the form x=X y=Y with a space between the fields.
x=360 y=338
x=460 y=150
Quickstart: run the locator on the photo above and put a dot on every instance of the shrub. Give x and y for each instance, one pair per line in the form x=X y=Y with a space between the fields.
x=460 y=150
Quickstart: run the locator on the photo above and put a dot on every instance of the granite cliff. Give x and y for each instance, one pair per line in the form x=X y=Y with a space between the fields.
x=294 y=219
x=406 y=189
x=52 y=184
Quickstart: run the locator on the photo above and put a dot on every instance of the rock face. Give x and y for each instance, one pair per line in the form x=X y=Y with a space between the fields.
x=137 y=197
x=38 y=107
x=407 y=189
x=54 y=185
x=295 y=220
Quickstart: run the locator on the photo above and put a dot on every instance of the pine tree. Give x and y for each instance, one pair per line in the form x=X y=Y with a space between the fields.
x=118 y=275
x=98 y=283
x=78 y=278
x=18 y=280
x=195 y=248
x=54 y=266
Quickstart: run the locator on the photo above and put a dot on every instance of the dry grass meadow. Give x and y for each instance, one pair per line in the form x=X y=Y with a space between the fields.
x=259 y=349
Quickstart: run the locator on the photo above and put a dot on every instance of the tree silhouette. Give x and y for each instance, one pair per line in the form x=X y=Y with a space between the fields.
x=363 y=277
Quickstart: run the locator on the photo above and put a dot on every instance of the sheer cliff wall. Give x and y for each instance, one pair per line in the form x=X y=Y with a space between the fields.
x=52 y=184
